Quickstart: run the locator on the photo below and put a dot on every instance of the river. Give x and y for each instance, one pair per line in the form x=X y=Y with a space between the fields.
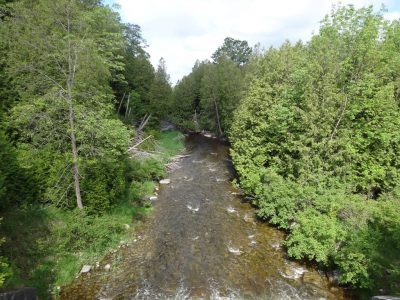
x=203 y=242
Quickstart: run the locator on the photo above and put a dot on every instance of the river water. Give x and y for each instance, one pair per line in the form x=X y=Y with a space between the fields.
x=203 y=242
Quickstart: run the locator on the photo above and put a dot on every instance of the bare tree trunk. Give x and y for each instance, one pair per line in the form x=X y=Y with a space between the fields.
x=217 y=114
x=70 y=82
x=340 y=118
x=144 y=122
x=141 y=122
x=120 y=104
x=127 y=105
x=75 y=169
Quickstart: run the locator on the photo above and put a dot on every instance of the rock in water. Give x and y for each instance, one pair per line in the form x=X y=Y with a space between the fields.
x=313 y=278
x=107 y=267
x=247 y=218
x=165 y=181
x=153 y=198
x=86 y=269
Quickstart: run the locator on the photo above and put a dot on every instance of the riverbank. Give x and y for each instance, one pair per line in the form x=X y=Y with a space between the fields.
x=47 y=246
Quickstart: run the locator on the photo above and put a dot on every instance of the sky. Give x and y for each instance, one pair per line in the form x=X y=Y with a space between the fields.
x=182 y=31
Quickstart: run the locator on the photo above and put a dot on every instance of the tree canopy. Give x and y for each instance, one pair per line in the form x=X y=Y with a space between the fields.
x=236 y=50
x=316 y=141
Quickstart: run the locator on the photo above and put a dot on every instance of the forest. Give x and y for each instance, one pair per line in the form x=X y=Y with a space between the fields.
x=313 y=129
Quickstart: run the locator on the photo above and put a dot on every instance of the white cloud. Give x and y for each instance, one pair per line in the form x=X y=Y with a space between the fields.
x=392 y=15
x=182 y=31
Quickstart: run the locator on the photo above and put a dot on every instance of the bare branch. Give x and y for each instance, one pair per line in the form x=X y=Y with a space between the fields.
x=340 y=118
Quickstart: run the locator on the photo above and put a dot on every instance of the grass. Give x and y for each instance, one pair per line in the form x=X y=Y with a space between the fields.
x=46 y=246
x=169 y=143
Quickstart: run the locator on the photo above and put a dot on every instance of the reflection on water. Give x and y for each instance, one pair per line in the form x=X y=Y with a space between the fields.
x=203 y=242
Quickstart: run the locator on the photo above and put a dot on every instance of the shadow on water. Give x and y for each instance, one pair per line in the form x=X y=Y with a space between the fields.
x=203 y=241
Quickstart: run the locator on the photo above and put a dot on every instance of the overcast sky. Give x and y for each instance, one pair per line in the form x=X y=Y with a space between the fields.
x=182 y=31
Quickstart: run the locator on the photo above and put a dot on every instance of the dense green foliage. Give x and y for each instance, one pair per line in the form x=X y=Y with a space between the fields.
x=236 y=50
x=74 y=80
x=63 y=95
x=316 y=141
x=207 y=97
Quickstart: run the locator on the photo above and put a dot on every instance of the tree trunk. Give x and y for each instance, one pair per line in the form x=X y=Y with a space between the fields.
x=143 y=123
x=70 y=82
x=75 y=169
x=127 y=105
x=217 y=114
x=340 y=118
x=120 y=104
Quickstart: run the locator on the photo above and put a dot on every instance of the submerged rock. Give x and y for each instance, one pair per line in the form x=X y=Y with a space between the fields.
x=333 y=276
x=313 y=278
x=276 y=245
x=292 y=271
x=247 y=218
x=230 y=209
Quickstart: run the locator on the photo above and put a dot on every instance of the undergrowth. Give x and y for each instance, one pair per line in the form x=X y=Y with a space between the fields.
x=46 y=246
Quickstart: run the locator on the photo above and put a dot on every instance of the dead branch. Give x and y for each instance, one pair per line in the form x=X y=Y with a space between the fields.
x=120 y=104
x=144 y=122
x=340 y=118
x=137 y=144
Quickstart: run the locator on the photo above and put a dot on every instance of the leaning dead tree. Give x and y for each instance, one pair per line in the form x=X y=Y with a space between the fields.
x=139 y=129
x=144 y=122
x=139 y=140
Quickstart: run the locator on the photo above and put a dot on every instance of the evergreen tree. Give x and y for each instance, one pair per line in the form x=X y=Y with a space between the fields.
x=160 y=92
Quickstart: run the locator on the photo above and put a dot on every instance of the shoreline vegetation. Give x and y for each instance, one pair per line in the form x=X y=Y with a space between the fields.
x=47 y=246
x=77 y=90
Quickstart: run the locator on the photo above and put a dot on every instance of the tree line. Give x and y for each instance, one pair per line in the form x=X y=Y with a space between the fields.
x=314 y=132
